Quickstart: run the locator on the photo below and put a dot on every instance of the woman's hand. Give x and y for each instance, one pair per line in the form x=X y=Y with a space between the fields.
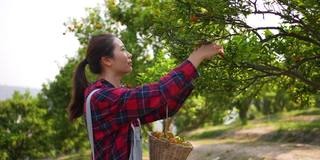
x=206 y=51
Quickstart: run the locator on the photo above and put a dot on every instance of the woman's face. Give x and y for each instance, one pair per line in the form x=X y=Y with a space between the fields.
x=121 y=62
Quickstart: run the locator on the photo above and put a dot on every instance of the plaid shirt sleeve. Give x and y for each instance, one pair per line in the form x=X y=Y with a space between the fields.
x=148 y=102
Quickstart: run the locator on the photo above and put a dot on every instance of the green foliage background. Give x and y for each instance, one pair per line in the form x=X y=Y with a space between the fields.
x=265 y=70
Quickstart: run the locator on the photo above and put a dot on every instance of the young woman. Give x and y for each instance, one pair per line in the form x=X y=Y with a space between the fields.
x=116 y=111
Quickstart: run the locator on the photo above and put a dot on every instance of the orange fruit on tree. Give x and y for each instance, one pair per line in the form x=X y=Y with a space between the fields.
x=194 y=19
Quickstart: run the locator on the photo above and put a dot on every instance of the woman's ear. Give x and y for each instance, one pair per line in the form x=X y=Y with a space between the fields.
x=106 y=61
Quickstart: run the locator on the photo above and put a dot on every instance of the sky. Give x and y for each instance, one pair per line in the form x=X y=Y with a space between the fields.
x=32 y=46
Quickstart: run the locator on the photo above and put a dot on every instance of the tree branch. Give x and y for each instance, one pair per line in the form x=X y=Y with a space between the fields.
x=304 y=60
x=264 y=28
x=277 y=71
x=294 y=35
x=304 y=38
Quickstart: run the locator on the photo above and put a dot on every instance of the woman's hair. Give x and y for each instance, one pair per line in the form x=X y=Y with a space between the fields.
x=99 y=46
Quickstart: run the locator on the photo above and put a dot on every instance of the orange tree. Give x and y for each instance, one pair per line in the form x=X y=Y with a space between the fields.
x=255 y=56
x=286 y=55
x=291 y=51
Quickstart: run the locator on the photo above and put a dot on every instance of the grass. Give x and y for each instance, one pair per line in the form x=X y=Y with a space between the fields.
x=209 y=132
x=76 y=156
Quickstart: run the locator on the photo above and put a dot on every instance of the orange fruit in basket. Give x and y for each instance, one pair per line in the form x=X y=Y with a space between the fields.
x=170 y=135
x=157 y=134
x=179 y=140
x=172 y=140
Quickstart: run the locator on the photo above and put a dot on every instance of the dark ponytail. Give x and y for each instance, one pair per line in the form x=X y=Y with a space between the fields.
x=99 y=46
x=80 y=83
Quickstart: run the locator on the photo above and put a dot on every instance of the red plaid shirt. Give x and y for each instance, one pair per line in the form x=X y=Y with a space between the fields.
x=114 y=109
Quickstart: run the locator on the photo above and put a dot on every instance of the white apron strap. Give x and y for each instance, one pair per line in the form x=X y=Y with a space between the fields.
x=89 y=121
x=136 y=142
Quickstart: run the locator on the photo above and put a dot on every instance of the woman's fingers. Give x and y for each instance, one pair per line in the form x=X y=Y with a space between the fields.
x=218 y=50
x=221 y=53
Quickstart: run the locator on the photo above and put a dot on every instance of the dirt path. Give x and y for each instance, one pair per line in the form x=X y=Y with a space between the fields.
x=226 y=150
x=243 y=145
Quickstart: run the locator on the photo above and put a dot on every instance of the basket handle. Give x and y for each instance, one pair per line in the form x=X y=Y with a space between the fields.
x=165 y=121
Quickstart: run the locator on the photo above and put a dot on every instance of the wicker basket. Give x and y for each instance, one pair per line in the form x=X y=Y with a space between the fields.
x=164 y=150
